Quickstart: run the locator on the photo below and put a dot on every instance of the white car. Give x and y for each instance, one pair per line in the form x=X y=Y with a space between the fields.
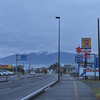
x=4 y=72
x=32 y=73
x=10 y=73
x=1 y=74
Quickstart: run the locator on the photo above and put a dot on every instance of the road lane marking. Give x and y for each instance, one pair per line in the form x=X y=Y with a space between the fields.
x=76 y=91
x=5 y=89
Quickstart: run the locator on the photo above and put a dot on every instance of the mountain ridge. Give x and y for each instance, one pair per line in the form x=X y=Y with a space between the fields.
x=41 y=58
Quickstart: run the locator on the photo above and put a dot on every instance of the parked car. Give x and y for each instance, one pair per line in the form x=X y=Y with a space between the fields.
x=4 y=72
x=1 y=74
x=32 y=73
x=10 y=73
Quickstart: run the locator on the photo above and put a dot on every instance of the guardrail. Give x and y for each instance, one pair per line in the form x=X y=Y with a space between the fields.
x=38 y=91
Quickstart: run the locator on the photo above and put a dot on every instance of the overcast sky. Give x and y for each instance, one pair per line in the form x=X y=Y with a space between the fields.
x=30 y=25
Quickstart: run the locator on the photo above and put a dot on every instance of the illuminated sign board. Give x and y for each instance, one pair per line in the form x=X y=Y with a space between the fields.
x=5 y=66
x=86 y=43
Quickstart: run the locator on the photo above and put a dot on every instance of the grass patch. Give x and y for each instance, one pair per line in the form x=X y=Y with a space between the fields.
x=18 y=78
x=73 y=74
x=90 y=80
x=97 y=92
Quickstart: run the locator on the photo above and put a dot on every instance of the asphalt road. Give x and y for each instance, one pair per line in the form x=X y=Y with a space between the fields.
x=69 y=88
x=18 y=89
x=14 y=77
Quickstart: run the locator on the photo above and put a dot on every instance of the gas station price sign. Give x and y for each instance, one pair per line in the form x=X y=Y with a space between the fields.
x=86 y=43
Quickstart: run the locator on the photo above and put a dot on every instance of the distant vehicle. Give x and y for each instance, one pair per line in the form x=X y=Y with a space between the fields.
x=4 y=72
x=1 y=74
x=10 y=73
x=32 y=73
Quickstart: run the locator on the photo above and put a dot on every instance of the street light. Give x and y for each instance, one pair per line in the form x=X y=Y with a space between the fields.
x=58 y=51
x=29 y=65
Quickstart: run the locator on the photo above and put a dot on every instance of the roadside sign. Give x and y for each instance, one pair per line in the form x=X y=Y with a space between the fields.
x=93 y=63
x=5 y=66
x=78 y=58
x=87 y=56
x=97 y=62
x=89 y=72
x=86 y=43
x=78 y=50
x=88 y=53
x=23 y=57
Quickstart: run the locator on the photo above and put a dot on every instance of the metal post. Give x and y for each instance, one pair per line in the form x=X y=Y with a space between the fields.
x=85 y=66
x=99 y=48
x=16 y=63
x=95 y=66
x=29 y=66
x=58 y=51
x=78 y=68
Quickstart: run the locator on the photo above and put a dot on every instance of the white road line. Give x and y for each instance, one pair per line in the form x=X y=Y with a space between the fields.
x=36 y=92
x=76 y=91
x=5 y=89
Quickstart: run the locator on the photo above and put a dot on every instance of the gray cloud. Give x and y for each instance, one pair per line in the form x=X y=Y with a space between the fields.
x=30 y=25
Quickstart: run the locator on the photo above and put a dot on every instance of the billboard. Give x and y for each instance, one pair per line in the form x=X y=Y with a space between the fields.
x=86 y=43
x=5 y=66
x=89 y=72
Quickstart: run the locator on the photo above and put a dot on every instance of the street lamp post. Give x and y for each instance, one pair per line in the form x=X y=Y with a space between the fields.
x=58 y=51
x=29 y=65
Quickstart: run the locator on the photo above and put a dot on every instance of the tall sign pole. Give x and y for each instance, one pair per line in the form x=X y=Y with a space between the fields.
x=58 y=51
x=99 y=48
x=86 y=44
x=29 y=65
x=16 y=63
x=23 y=57
x=78 y=58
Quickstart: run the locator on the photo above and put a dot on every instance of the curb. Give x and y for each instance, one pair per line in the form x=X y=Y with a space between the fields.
x=39 y=91
x=4 y=81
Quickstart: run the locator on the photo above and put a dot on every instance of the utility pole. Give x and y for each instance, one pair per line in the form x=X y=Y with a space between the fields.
x=58 y=51
x=16 y=63
x=99 y=48
x=29 y=65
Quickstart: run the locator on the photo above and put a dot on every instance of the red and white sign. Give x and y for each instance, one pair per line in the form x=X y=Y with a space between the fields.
x=3 y=66
x=89 y=72
x=78 y=50
x=87 y=52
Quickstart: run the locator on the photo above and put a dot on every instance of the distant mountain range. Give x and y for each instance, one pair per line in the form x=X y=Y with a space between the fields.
x=44 y=58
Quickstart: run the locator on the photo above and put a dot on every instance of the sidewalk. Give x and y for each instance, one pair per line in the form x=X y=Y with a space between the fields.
x=69 y=88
